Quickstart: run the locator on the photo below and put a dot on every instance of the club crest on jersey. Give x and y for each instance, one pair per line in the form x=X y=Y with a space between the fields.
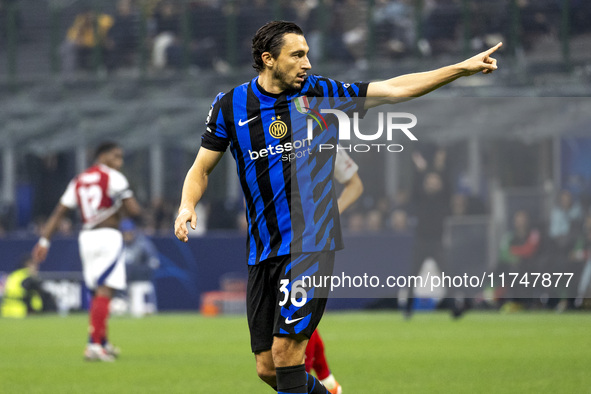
x=278 y=129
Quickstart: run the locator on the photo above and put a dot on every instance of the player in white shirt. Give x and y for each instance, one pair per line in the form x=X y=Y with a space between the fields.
x=345 y=172
x=102 y=195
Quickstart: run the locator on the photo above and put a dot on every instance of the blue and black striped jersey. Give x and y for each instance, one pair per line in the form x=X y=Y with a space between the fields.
x=286 y=180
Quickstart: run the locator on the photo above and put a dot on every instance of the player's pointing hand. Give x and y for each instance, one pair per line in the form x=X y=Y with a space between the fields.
x=180 y=225
x=482 y=62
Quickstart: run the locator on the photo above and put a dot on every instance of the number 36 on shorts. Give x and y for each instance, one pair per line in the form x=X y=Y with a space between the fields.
x=299 y=296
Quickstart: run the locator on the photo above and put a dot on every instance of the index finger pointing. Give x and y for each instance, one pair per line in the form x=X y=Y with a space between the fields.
x=493 y=49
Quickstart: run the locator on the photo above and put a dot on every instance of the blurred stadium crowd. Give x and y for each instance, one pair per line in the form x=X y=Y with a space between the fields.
x=144 y=72
x=215 y=34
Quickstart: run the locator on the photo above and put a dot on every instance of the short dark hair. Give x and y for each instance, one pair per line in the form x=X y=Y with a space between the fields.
x=269 y=38
x=105 y=147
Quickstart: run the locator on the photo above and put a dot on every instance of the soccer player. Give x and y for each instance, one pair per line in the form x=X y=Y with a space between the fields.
x=291 y=226
x=102 y=195
x=345 y=172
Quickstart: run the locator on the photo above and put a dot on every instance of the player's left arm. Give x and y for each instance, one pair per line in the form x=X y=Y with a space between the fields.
x=119 y=189
x=352 y=191
x=131 y=207
x=409 y=86
x=345 y=172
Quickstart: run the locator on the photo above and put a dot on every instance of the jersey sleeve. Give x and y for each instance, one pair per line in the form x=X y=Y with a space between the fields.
x=345 y=167
x=352 y=90
x=69 y=199
x=352 y=97
x=216 y=136
x=347 y=97
x=327 y=87
x=119 y=186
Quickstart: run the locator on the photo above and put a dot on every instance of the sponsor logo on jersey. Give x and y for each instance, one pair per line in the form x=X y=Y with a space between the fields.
x=279 y=149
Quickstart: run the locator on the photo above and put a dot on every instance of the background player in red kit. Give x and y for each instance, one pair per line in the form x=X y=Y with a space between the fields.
x=101 y=193
x=345 y=172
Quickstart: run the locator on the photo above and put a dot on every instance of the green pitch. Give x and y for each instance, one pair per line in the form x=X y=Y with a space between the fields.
x=368 y=353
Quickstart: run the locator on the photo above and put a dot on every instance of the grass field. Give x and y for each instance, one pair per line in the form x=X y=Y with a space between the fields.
x=368 y=353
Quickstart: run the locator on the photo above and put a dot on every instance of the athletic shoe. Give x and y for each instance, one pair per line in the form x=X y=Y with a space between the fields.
x=95 y=352
x=336 y=390
x=112 y=350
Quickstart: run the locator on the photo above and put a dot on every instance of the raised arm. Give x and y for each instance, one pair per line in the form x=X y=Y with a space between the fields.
x=193 y=189
x=409 y=86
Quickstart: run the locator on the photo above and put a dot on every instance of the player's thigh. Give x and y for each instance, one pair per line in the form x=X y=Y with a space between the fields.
x=101 y=252
x=302 y=294
x=117 y=278
x=260 y=306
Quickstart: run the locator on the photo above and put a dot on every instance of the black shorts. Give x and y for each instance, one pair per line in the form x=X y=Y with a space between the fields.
x=279 y=303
